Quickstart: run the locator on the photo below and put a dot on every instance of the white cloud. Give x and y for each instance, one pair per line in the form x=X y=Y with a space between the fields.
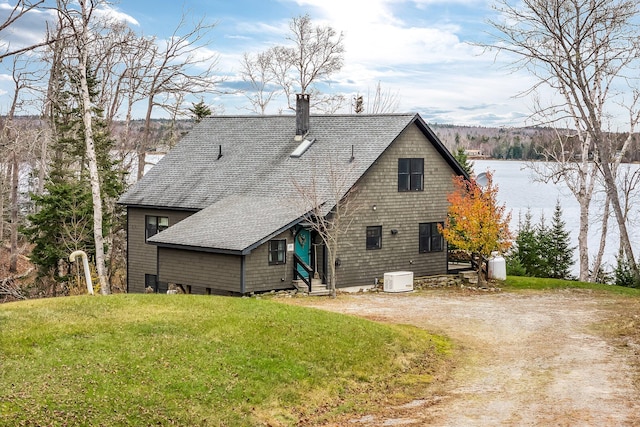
x=115 y=14
x=415 y=49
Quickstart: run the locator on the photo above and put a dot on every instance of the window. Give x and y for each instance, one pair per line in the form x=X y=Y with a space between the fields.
x=154 y=225
x=410 y=174
x=277 y=252
x=430 y=238
x=151 y=281
x=374 y=237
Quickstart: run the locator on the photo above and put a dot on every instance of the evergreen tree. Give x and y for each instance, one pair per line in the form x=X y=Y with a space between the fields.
x=61 y=225
x=514 y=266
x=461 y=156
x=200 y=111
x=557 y=249
x=527 y=250
x=543 y=244
x=63 y=221
x=623 y=273
x=544 y=251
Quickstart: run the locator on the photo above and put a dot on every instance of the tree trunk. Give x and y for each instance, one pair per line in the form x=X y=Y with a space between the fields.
x=43 y=161
x=332 y=270
x=603 y=242
x=142 y=148
x=612 y=194
x=482 y=280
x=91 y=157
x=583 y=244
x=4 y=177
x=15 y=172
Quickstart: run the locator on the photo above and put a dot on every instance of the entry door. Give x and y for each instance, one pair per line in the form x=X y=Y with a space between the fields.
x=303 y=249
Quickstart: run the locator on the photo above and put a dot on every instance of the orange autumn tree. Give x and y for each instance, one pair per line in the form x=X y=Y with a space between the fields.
x=476 y=223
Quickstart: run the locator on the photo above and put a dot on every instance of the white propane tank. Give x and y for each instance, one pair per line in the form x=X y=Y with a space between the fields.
x=497 y=267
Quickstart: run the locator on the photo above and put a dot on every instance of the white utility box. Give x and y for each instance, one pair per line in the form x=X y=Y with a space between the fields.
x=398 y=281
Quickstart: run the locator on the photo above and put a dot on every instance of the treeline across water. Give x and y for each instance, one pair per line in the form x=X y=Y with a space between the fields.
x=526 y=143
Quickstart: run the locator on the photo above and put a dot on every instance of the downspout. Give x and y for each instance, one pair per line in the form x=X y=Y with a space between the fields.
x=446 y=249
x=242 y=274
x=157 y=269
x=127 y=225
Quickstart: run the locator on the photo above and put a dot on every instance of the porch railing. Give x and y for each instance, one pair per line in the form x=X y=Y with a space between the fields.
x=297 y=262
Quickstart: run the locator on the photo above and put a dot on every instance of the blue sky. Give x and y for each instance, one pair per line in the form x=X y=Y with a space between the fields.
x=419 y=49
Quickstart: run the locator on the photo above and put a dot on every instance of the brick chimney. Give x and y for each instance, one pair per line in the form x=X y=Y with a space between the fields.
x=302 y=115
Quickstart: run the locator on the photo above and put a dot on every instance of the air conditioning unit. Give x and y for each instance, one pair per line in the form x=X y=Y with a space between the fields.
x=398 y=281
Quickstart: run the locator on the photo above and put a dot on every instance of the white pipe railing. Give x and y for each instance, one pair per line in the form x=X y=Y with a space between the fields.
x=85 y=264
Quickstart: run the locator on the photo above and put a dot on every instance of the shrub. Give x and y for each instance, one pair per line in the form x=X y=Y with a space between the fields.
x=624 y=274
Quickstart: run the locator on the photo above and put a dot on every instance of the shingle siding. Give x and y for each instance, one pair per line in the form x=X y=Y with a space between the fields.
x=260 y=276
x=402 y=211
x=200 y=270
x=244 y=197
x=141 y=256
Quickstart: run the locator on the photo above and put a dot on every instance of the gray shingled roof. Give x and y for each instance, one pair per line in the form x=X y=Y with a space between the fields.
x=233 y=224
x=246 y=195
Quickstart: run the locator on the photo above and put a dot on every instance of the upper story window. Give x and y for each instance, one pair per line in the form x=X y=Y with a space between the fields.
x=374 y=237
x=410 y=174
x=430 y=238
x=154 y=225
x=277 y=252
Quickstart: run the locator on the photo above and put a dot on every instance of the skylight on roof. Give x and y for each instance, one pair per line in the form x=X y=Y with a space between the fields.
x=304 y=146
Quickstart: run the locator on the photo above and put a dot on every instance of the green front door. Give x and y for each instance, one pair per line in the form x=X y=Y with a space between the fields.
x=303 y=249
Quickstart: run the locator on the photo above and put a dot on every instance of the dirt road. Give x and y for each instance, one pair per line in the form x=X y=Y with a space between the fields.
x=528 y=359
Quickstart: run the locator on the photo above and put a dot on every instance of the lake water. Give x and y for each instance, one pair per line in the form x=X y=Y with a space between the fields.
x=519 y=192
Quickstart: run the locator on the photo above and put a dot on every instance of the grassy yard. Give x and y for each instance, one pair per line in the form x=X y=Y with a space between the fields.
x=196 y=360
x=536 y=283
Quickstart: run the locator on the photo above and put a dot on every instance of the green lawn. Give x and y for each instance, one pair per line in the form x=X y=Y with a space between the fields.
x=536 y=283
x=196 y=360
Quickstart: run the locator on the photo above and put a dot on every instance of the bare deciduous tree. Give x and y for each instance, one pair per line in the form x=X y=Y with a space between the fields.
x=568 y=161
x=176 y=67
x=256 y=71
x=380 y=102
x=313 y=55
x=585 y=51
x=16 y=142
x=78 y=22
x=17 y=12
x=332 y=205
x=384 y=101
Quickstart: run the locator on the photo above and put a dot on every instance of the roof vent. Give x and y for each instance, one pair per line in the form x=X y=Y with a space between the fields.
x=304 y=146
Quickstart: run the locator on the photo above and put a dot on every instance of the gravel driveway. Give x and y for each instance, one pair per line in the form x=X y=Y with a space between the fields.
x=528 y=359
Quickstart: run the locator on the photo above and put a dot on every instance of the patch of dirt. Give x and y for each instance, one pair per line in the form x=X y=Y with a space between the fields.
x=11 y=283
x=23 y=263
x=533 y=359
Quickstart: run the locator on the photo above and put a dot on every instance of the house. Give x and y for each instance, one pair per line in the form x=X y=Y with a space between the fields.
x=221 y=212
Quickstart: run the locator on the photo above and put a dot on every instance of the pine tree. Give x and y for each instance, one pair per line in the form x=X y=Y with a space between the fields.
x=63 y=221
x=545 y=251
x=543 y=244
x=527 y=249
x=461 y=156
x=558 y=252
x=200 y=111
